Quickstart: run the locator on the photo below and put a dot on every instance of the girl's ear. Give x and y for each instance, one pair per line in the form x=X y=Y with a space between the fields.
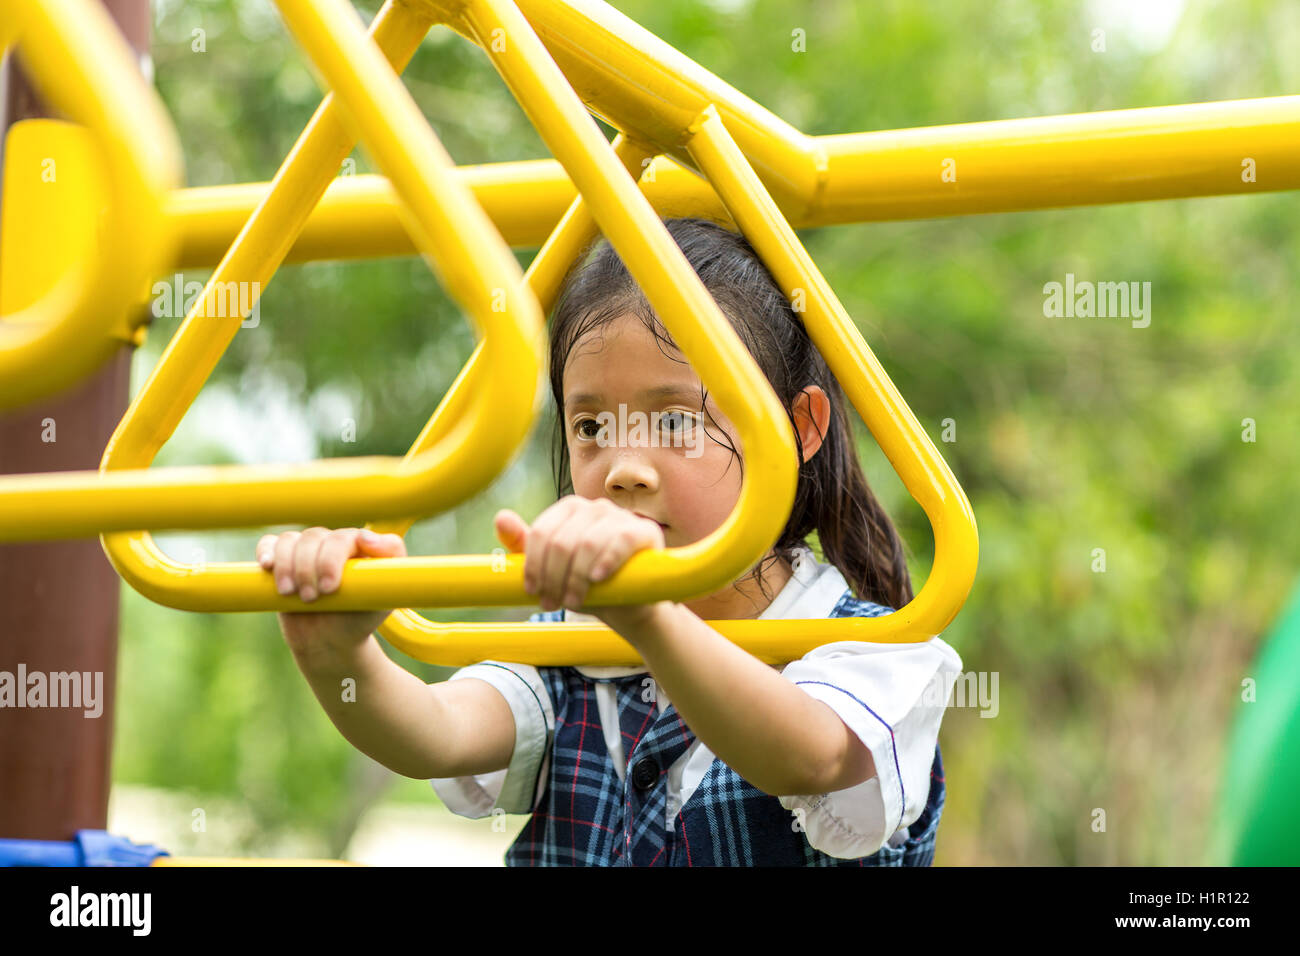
x=812 y=417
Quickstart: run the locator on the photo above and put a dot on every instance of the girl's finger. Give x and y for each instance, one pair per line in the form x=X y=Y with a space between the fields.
x=305 y=557
x=557 y=560
x=604 y=562
x=283 y=566
x=593 y=542
x=345 y=543
x=535 y=546
x=334 y=550
x=265 y=550
x=627 y=540
x=370 y=544
x=511 y=530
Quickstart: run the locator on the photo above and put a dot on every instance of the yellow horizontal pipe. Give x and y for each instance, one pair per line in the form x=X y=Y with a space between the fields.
x=640 y=84
x=358 y=217
x=595 y=645
x=1162 y=152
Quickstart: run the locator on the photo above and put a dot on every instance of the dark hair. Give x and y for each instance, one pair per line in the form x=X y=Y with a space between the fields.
x=832 y=496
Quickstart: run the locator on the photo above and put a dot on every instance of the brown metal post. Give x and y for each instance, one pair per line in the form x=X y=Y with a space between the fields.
x=59 y=599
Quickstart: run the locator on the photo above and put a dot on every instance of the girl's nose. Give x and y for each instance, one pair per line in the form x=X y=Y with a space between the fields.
x=631 y=471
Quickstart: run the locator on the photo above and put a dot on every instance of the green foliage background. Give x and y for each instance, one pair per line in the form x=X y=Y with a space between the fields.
x=1116 y=688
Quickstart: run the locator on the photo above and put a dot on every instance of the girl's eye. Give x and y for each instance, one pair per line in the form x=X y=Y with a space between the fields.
x=585 y=422
x=676 y=422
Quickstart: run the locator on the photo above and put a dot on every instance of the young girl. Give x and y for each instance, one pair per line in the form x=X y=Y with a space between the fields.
x=706 y=756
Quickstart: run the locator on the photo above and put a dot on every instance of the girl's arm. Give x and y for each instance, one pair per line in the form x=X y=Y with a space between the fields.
x=445 y=730
x=761 y=725
x=424 y=731
x=765 y=728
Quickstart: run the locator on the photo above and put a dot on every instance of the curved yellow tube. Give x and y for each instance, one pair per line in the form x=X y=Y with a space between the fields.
x=404 y=145
x=672 y=286
x=78 y=60
x=475 y=266
x=923 y=470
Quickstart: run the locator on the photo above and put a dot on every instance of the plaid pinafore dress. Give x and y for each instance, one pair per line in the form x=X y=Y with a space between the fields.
x=588 y=817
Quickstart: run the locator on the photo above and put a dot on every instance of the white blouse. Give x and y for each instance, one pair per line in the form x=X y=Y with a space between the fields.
x=892 y=696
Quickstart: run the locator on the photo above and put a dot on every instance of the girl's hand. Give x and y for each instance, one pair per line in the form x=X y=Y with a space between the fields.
x=573 y=544
x=311 y=563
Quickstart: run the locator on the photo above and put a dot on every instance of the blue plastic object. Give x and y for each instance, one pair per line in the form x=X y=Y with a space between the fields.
x=88 y=848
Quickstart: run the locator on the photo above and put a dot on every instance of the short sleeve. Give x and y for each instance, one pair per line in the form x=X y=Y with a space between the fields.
x=518 y=787
x=892 y=696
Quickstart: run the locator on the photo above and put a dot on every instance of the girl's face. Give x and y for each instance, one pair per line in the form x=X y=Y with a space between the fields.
x=636 y=434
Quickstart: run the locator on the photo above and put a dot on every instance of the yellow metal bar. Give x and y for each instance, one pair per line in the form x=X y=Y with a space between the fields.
x=904 y=441
x=306 y=172
x=358 y=216
x=76 y=57
x=476 y=579
x=407 y=629
x=1164 y=152
x=43 y=506
x=714 y=152
x=637 y=82
x=1001 y=166
x=679 y=298
x=671 y=285
x=475 y=265
x=54 y=195
x=909 y=449
x=545 y=275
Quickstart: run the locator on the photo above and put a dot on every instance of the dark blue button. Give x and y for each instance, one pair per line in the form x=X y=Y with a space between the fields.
x=645 y=773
